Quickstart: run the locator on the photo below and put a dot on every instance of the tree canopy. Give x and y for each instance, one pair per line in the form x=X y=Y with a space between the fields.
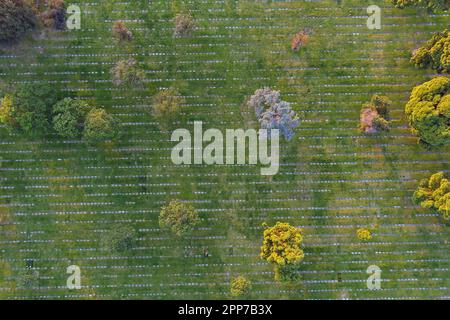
x=282 y=244
x=100 y=126
x=127 y=73
x=428 y=111
x=178 y=217
x=28 y=110
x=434 y=193
x=16 y=19
x=69 y=117
x=274 y=113
x=364 y=234
x=435 y=53
x=375 y=115
x=166 y=105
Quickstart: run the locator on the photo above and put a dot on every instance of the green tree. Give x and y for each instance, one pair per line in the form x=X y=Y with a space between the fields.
x=28 y=110
x=16 y=19
x=119 y=239
x=428 y=111
x=434 y=194
x=69 y=117
x=178 y=217
x=435 y=53
x=100 y=126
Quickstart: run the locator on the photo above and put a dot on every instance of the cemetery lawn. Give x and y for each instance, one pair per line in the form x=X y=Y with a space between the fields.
x=59 y=197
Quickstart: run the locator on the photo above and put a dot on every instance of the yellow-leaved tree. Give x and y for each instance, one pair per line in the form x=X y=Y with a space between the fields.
x=282 y=247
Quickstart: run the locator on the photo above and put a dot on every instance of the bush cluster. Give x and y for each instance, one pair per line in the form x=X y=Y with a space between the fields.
x=35 y=110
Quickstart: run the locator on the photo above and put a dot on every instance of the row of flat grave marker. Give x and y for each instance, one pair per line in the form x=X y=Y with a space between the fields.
x=150 y=176
x=357 y=178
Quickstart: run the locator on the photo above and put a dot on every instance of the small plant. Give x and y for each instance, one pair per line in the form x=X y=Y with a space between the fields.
x=119 y=239
x=364 y=234
x=4 y=218
x=28 y=279
x=121 y=32
x=28 y=110
x=240 y=286
x=300 y=40
x=184 y=24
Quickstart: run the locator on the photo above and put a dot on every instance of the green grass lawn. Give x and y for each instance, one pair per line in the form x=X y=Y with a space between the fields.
x=59 y=197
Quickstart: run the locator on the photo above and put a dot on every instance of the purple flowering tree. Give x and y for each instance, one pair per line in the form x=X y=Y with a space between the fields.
x=273 y=113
